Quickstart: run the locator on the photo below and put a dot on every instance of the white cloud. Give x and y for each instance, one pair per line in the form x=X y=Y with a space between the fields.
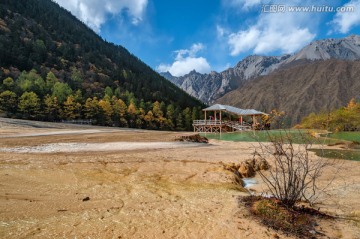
x=344 y=21
x=180 y=68
x=243 y=40
x=285 y=32
x=195 y=48
x=221 y=31
x=93 y=12
x=186 y=61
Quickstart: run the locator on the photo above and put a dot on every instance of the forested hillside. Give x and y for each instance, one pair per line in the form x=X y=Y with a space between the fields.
x=53 y=67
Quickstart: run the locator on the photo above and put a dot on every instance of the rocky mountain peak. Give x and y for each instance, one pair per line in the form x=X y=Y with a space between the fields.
x=347 y=48
x=354 y=38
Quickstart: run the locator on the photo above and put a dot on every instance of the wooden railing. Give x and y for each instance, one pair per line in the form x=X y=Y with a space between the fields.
x=78 y=121
x=237 y=126
x=208 y=122
x=218 y=126
x=218 y=122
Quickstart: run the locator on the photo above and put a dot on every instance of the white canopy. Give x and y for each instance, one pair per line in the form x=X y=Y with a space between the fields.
x=233 y=110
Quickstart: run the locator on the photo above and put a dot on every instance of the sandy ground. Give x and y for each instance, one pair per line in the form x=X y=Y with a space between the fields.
x=139 y=184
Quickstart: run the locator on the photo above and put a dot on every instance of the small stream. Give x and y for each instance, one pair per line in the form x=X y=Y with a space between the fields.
x=249 y=182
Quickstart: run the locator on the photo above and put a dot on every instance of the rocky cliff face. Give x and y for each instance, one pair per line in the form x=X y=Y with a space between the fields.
x=209 y=87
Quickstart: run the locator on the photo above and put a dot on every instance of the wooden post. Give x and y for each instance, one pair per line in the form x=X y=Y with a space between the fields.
x=220 y=122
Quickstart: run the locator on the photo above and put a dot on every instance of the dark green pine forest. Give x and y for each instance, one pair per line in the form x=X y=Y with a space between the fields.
x=55 y=68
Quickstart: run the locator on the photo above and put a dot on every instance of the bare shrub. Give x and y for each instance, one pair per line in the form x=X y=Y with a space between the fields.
x=293 y=175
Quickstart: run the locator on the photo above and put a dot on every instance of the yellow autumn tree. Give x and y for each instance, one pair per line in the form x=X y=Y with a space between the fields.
x=351 y=104
x=120 y=111
x=131 y=111
x=107 y=111
x=72 y=108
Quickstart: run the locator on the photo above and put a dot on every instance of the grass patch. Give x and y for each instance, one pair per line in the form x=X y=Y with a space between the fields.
x=251 y=136
x=263 y=136
x=349 y=136
x=298 y=136
x=338 y=154
x=298 y=221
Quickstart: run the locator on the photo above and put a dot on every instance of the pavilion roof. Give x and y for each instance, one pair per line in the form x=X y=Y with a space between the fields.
x=233 y=110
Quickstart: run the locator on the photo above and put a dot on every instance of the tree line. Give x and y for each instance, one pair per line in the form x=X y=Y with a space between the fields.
x=32 y=97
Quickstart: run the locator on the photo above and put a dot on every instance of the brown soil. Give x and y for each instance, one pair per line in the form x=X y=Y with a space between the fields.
x=180 y=192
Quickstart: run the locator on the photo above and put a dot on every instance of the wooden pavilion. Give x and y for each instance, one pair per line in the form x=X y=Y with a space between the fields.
x=216 y=124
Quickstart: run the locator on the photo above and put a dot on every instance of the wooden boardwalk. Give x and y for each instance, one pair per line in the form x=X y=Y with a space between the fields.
x=218 y=126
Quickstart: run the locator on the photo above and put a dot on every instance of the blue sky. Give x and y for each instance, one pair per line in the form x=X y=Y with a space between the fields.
x=182 y=35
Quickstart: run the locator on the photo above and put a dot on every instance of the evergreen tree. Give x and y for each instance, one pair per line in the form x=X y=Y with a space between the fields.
x=52 y=108
x=39 y=51
x=142 y=105
x=61 y=91
x=187 y=118
x=163 y=107
x=8 y=84
x=117 y=92
x=8 y=101
x=31 y=82
x=78 y=96
x=170 y=115
x=77 y=78
x=50 y=81
x=29 y=105
x=180 y=122
x=108 y=91
x=195 y=113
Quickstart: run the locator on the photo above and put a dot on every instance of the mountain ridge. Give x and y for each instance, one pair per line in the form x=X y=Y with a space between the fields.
x=300 y=90
x=211 y=86
x=253 y=66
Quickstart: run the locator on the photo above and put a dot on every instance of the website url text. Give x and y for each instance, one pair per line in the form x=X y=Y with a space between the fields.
x=275 y=8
